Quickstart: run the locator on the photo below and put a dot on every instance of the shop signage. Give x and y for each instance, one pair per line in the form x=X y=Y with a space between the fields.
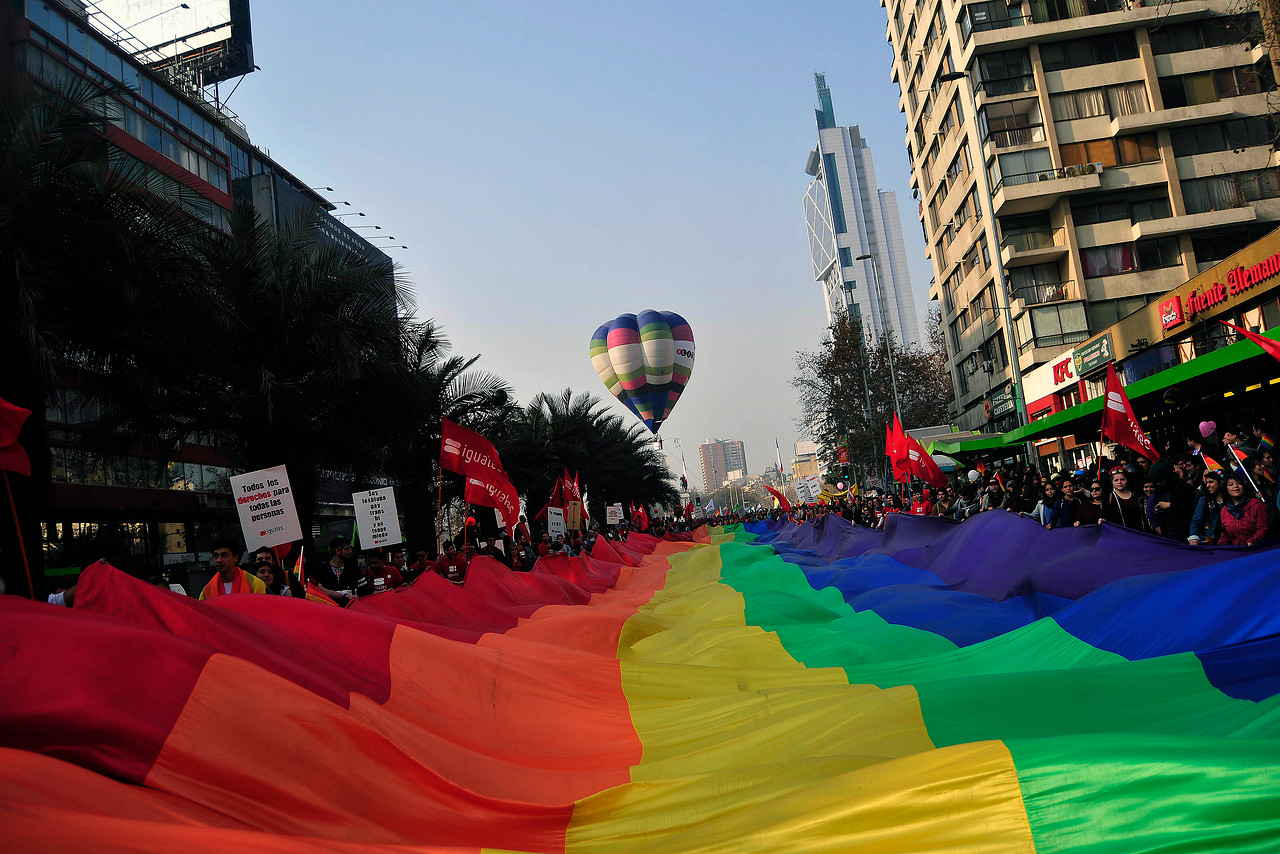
x=1171 y=312
x=1062 y=373
x=1002 y=404
x=1093 y=355
x=1239 y=280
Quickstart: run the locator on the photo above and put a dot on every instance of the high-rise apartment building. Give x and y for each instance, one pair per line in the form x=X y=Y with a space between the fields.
x=848 y=217
x=1125 y=147
x=719 y=457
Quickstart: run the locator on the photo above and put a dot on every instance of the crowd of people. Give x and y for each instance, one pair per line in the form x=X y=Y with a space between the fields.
x=1203 y=493
x=346 y=575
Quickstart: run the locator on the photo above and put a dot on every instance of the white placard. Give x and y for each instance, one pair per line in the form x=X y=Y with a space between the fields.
x=814 y=484
x=555 y=522
x=376 y=518
x=613 y=514
x=268 y=516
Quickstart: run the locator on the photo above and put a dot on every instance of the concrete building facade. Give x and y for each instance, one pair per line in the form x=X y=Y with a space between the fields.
x=1124 y=147
x=847 y=217
x=719 y=457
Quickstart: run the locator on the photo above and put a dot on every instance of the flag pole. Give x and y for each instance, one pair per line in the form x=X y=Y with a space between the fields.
x=439 y=507
x=17 y=529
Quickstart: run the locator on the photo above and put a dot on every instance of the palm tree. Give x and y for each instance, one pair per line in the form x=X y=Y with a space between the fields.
x=287 y=356
x=436 y=386
x=84 y=248
x=578 y=434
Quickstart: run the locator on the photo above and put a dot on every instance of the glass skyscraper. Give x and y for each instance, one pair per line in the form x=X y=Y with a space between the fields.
x=847 y=216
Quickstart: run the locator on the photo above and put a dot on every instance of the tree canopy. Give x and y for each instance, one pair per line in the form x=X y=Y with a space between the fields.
x=846 y=390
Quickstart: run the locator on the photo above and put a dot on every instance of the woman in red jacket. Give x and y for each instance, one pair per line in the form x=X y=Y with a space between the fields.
x=1244 y=518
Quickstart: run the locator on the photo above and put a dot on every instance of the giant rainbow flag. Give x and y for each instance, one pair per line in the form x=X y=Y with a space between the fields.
x=988 y=686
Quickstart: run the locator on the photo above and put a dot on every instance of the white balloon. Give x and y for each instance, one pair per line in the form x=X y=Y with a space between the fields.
x=973 y=476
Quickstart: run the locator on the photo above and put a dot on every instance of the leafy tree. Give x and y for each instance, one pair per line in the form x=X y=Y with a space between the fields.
x=846 y=390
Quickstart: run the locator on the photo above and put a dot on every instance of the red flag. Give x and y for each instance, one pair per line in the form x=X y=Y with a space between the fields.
x=923 y=466
x=896 y=447
x=1118 y=421
x=783 y=503
x=556 y=500
x=473 y=456
x=1267 y=344
x=496 y=493
x=13 y=457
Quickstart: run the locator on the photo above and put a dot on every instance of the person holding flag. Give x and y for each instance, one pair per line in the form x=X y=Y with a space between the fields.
x=1244 y=518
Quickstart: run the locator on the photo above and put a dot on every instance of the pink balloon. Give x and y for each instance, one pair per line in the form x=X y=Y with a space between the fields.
x=1207 y=428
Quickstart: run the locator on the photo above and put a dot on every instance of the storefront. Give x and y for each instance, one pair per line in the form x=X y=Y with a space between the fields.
x=1180 y=365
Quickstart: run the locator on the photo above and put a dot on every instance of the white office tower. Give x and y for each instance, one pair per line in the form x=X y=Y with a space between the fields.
x=848 y=217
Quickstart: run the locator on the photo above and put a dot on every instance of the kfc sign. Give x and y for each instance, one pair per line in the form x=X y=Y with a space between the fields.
x=1171 y=312
x=1062 y=373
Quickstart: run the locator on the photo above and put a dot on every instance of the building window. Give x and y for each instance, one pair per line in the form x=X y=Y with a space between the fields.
x=1139 y=207
x=833 y=192
x=1151 y=254
x=1222 y=136
x=1094 y=50
x=846 y=257
x=1223 y=192
x=1118 y=151
x=1207 y=87
x=1122 y=99
x=1213 y=32
x=1006 y=73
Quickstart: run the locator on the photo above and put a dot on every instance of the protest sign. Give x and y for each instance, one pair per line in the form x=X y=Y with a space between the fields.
x=613 y=514
x=376 y=518
x=268 y=516
x=555 y=522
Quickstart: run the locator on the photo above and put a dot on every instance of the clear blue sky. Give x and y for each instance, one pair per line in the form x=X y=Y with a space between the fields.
x=551 y=166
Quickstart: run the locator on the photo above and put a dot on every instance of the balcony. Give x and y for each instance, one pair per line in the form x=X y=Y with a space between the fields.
x=1024 y=248
x=1038 y=191
x=1020 y=29
x=1043 y=293
x=1052 y=342
x=1010 y=137
x=1006 y=86
x=1173 y=117
x=1195 y=222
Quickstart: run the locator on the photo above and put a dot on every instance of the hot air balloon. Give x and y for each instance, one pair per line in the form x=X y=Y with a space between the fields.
x=645 y=360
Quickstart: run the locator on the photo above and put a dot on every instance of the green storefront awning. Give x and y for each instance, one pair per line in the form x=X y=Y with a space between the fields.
x=1068 y=421
x=985 y=443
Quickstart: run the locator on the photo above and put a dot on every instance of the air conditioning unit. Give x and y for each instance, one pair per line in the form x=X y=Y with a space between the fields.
x=988 y=367
x=1091 y=168
x=1072 y=171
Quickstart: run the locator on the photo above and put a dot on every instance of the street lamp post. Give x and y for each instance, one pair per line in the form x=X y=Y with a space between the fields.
x=1002 y=289
x=888 y=328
